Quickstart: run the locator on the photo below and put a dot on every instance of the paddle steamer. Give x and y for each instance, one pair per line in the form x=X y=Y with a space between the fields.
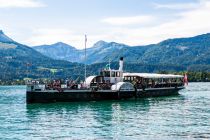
x=108 y=85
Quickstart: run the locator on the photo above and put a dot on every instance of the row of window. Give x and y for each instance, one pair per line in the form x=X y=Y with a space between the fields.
x=113 y=73
x=133 y=78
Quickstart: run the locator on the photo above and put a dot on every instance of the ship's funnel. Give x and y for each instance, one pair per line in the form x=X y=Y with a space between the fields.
x=121 y=64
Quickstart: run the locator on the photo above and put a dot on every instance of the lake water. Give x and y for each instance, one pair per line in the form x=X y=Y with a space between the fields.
x=186 y=116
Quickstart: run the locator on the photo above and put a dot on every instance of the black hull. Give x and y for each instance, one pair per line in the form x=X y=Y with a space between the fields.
x=158 y=92
x=48 y=97
x=75 y=96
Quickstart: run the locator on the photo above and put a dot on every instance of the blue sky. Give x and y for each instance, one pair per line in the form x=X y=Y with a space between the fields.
x=133 y=22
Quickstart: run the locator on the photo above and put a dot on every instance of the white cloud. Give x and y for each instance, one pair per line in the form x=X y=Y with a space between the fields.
x=52 y=35
x=176 y=6
x=20 y=3
x=128 y=20
x=49 y=36
x=186 y=23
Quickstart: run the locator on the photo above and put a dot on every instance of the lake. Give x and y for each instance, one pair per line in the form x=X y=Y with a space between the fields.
x=186 y=116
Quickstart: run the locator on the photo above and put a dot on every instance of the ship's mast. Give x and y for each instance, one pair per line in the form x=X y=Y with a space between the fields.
x=109 y=64
x=85 y=58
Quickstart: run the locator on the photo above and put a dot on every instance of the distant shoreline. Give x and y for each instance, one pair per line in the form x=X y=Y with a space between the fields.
x=25 y=84
x=13 y=84
x=192 y=77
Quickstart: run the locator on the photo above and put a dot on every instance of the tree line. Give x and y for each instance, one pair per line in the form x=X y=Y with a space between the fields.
x=192 y=77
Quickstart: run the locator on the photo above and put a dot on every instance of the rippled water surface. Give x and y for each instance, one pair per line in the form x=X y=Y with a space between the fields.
x=177 y=117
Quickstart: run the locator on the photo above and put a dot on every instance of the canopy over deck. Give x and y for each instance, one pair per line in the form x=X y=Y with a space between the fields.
x=89 y=79
x=152 y=75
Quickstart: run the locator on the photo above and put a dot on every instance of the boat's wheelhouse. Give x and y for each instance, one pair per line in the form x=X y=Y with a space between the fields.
x=107 y=77
x=147 y=80
x=112 y=76
x=105 y=80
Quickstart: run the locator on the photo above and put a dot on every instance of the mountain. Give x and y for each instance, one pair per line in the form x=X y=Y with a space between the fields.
x=103 y=52
x=183 y=51
x=100 y=52
x=60 y=51
x=17 y=51
x=18 y=61
x=180 y=51
x=4 y=38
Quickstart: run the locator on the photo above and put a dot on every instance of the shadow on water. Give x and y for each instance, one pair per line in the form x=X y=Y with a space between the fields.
x=92 y=105
x=99 y=108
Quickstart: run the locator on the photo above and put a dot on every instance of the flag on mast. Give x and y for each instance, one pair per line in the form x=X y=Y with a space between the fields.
x=185 y=79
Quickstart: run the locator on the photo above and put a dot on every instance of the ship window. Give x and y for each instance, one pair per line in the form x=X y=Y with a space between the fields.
x=118 y=74
x=101 y=80
x=107 y=73
x=131 y=78
x=113 y=74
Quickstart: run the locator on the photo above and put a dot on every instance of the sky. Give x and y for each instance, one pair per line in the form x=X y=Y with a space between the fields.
x=132 y=22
